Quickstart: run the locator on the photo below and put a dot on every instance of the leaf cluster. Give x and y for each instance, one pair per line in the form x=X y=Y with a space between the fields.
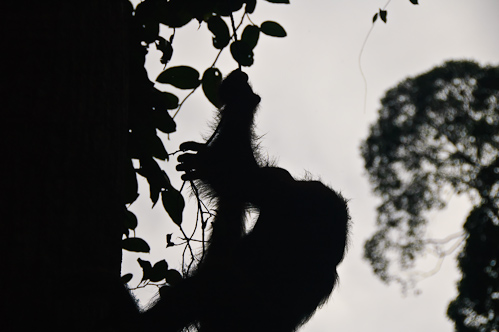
x=383 y=13
x=476 y=306
x=150 y=109
x=437 y=130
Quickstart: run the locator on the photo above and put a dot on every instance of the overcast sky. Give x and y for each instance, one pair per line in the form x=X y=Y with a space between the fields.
x=313 y=120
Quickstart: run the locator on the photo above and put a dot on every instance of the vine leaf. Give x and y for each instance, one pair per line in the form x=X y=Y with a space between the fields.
x=125 y=279
x=146 y=268
x=165 y=47
x=130 y=192
x=174 y=204
x=250 y=6
x=157 y=148
x=220 y=31
x=250 y=35
x=164 y=100
x=164 y=122
x=135 y=244
x=174 y=14
x=382 y=15
x=273 y=29
x=212 y=78
x=242 y=53
x=148 y=26
x=130 y=220
x=375 y=17
x=156 y=178
x=182 y=77
x=169 y=242
x=173 y=277
x=154 y=191
x=159 y=271
x=414 y=2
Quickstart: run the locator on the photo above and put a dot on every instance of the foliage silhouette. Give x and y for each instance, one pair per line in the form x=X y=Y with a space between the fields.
x=149 y=107
x=436 y=131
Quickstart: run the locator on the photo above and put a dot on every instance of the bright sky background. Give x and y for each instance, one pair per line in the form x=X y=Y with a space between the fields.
x=313 y=120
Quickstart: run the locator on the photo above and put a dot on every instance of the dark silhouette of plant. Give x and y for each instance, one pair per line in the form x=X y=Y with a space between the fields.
x=149 y=107
x=437 y=131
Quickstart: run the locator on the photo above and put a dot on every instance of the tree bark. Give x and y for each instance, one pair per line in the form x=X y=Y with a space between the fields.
x=63 y=143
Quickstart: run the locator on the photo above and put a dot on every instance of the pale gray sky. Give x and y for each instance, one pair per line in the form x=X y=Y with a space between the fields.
x=313 y=119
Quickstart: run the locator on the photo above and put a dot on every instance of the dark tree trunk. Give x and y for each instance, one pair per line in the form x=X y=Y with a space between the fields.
x=64 y=105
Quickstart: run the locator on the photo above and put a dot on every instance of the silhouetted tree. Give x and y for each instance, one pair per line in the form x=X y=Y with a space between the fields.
x=435 y=131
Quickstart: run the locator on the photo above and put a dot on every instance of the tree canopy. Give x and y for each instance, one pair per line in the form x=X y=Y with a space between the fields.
x=437 y=131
